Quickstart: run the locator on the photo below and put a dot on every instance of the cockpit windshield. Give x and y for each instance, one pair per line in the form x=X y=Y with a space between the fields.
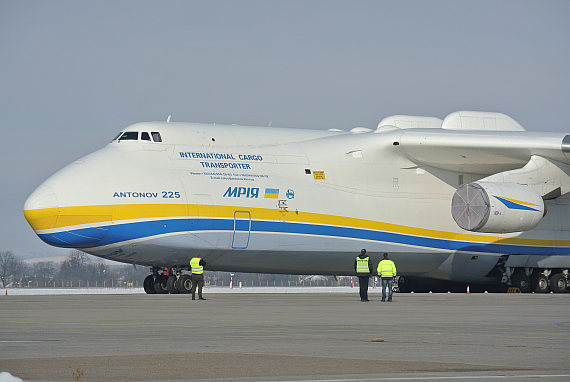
x=156 y=136
x=134 y=136
x=129 y=136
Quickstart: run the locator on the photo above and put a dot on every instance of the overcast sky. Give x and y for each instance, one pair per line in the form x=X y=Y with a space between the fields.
x=74 y=73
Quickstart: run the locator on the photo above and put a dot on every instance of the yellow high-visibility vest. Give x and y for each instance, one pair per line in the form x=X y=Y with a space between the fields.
x=386 y=268
x=197 y=269
x=362 y=265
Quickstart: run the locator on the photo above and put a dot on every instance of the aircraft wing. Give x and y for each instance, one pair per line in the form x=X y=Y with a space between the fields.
x=482 y=152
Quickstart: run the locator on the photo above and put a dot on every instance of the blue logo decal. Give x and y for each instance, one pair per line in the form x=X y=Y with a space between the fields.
x=242 y=192
x=290 y=194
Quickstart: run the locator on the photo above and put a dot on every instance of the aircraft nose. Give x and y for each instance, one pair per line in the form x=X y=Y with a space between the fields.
x=41 y=209
x=61 y=221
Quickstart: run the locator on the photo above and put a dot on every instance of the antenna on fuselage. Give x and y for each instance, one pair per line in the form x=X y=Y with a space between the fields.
x=168 y=118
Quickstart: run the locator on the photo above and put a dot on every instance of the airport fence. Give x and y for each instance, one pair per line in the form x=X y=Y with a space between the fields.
x=214 y=282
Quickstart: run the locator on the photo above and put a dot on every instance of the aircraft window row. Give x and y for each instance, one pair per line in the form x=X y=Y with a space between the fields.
x=156 y=136
x=134 y=136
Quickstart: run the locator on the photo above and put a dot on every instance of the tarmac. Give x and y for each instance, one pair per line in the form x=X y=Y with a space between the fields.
x=286 y=337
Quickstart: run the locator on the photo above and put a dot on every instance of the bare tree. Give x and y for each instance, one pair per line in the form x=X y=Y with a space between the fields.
x=97 y=271
x=75 y=266
x=12 y=269
x=44 y=272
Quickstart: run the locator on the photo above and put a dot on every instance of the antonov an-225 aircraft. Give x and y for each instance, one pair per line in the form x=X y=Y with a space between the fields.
x=473 y=198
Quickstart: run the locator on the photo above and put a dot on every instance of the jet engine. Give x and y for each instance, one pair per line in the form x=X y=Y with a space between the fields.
x=496 y=207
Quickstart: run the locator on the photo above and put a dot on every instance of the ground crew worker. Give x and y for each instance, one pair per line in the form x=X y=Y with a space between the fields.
x=387 y=273
x=363 y=268
x=197 y=265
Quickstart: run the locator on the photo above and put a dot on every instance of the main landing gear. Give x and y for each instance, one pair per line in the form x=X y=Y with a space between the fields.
x=165 y=280
x=537 y=280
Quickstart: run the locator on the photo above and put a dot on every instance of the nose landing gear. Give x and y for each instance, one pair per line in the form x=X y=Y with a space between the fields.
x=171 y=285
x=148 y=284
x=171 y=281
x=184 y=284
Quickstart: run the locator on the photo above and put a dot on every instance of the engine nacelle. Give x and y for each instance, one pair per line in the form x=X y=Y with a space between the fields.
x=496 y=207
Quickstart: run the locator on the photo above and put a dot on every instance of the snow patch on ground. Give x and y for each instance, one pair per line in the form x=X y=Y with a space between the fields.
x=61 y=291
x=7 y=377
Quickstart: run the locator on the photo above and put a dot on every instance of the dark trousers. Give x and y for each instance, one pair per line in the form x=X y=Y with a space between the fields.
x=363 y=283
x=197 y=280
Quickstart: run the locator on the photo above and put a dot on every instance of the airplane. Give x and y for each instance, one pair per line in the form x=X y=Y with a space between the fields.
x=473 y=198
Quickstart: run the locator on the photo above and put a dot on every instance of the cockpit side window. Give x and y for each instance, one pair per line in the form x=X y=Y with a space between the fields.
x=145 y=136
x=129 y=136
x=156 y=136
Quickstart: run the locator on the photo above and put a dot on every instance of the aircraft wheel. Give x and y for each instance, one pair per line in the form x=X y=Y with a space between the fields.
x=184 y=284
x=171 y=285
x=558 y=283
x=160 y=284
x=148 y=284
x=522 y=282
x=405 y=285
x=540 y=284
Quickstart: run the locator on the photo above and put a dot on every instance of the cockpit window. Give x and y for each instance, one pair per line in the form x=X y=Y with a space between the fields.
x=156 y=136
x=145 y=136
x=118 y=135
x=129 y=136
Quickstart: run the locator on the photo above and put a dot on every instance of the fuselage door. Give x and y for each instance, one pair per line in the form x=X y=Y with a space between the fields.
x=242 y=229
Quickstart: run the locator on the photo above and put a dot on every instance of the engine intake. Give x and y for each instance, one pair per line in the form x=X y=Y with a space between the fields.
x=496 y=207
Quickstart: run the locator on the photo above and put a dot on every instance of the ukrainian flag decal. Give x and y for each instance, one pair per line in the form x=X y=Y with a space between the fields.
x=515 y=204
x=272 y=193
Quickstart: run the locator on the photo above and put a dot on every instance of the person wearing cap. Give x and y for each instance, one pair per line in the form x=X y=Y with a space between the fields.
x=387 y=273
x=363 y=268
x=197 y=264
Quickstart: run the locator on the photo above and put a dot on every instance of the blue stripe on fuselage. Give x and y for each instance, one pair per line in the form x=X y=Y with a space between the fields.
x=88 y=237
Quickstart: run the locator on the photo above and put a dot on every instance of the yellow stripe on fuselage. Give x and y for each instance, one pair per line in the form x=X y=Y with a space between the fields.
x=51 y=218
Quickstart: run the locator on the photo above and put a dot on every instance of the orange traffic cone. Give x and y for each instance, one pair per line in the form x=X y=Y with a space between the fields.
x=6 y=292
x=351 y=283
x=468 y=290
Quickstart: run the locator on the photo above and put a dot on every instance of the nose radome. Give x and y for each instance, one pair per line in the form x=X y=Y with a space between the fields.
x=41 y=208
x=61 y=219
x=42 y=197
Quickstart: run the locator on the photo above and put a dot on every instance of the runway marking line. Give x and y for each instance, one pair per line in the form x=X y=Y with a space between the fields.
x=17 y=341
x=257 y=328
x=552 y=330
x=439 y=378
x=109 y=324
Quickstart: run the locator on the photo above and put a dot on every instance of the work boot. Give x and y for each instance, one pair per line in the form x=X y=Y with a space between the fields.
x=201 y=298
x=193 y=298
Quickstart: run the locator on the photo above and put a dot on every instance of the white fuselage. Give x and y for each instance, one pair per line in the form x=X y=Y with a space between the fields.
x=255 y=199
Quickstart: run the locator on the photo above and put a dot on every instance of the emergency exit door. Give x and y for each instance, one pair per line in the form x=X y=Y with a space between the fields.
x=242 y=229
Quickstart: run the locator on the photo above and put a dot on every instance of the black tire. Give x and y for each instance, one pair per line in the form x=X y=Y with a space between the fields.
x=558 y=283
x=171 y=285
x=184 y=284
x=540 y=284
x=160 y=284
x=405 y=285
x=522 y=281
x=148 y=284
